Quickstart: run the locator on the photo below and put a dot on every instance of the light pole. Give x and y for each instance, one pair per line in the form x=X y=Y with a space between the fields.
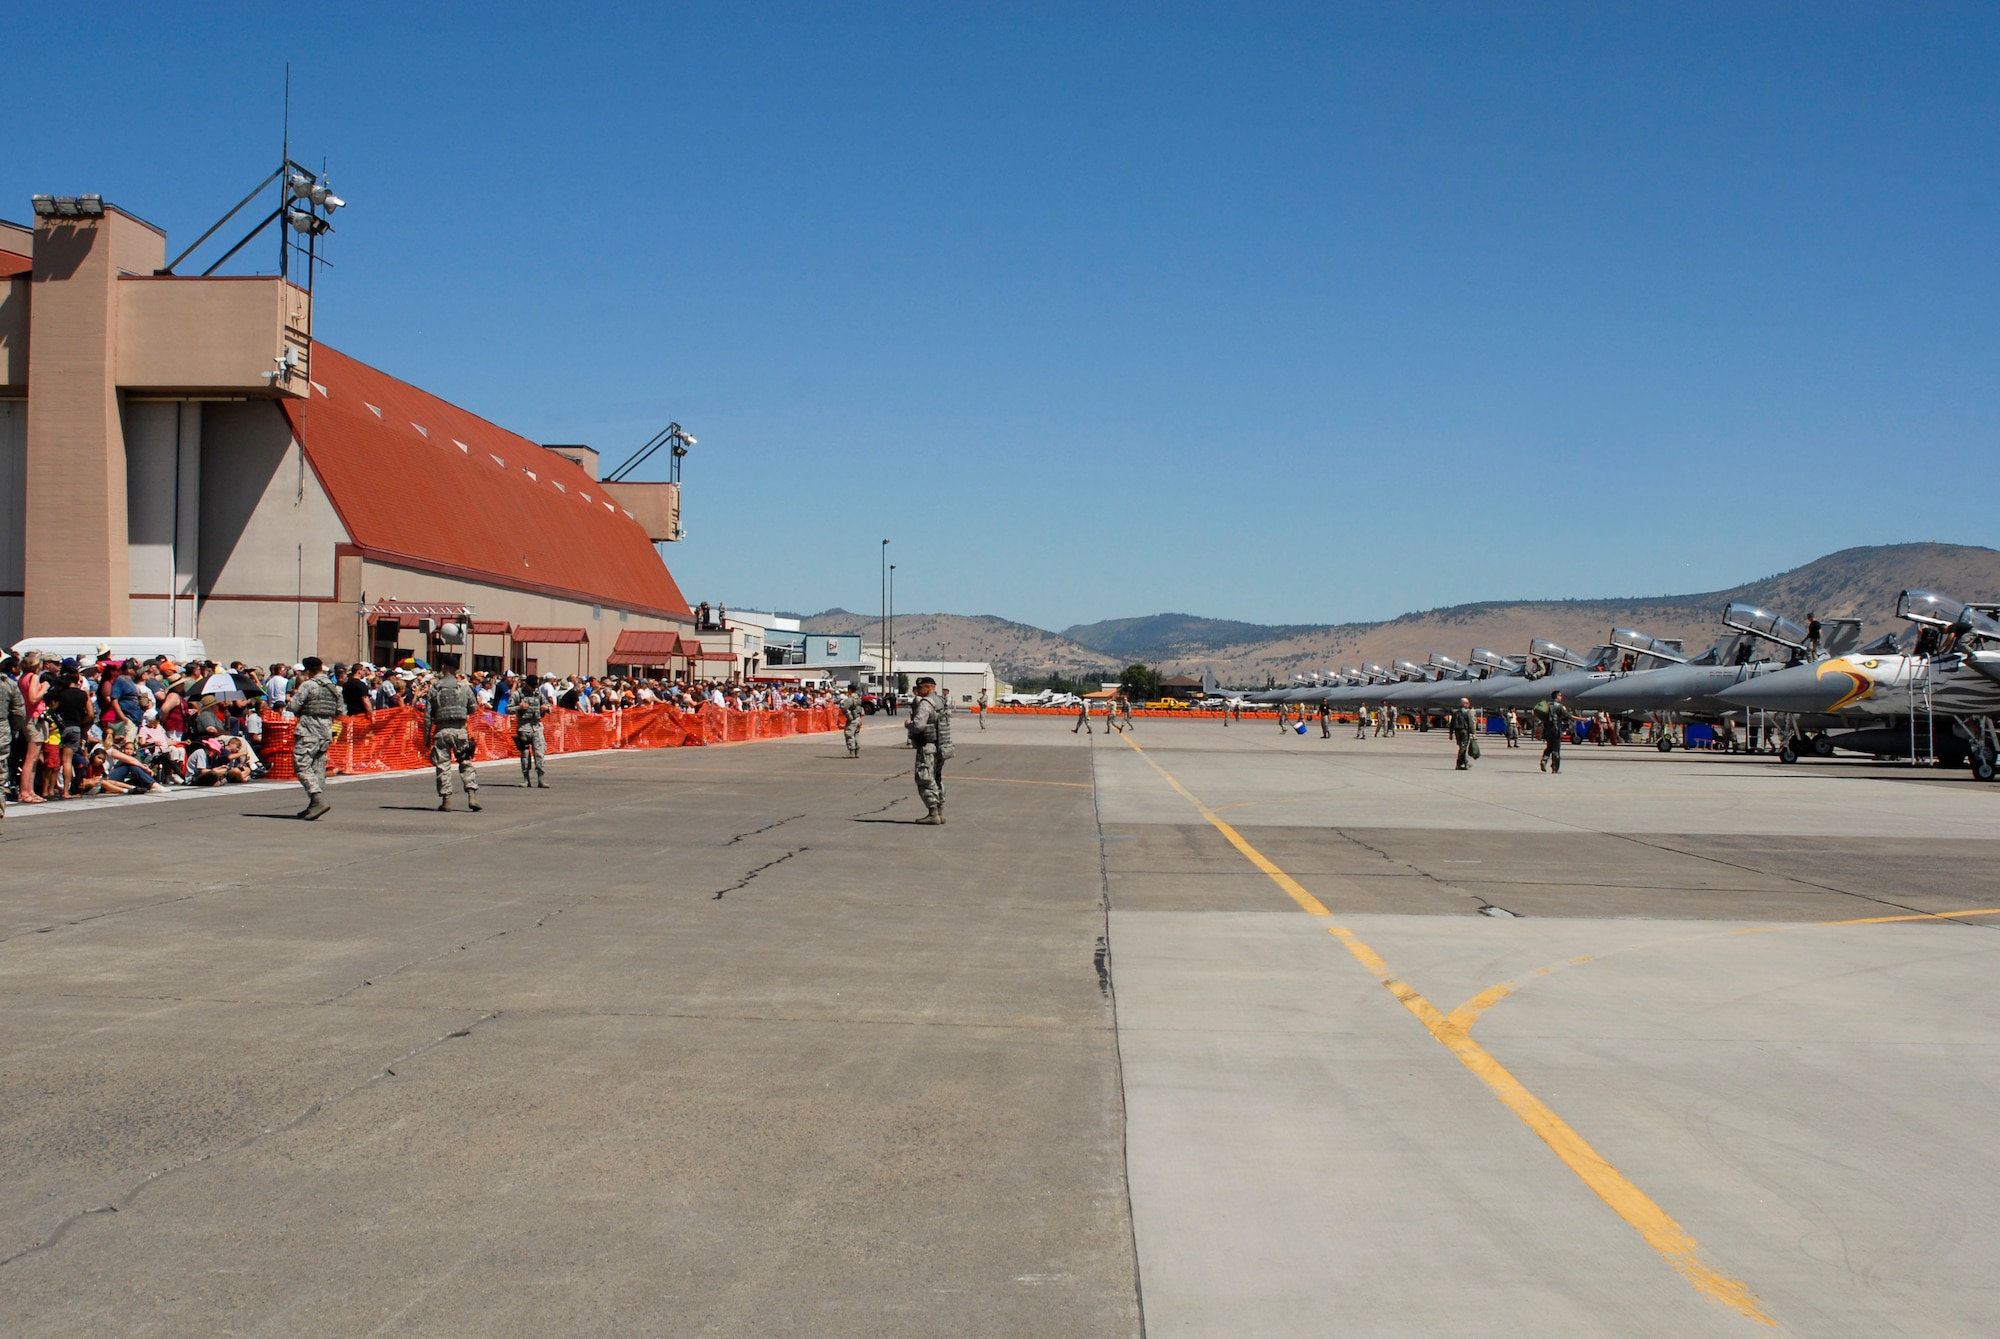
x=882 y=630
x=892 y=632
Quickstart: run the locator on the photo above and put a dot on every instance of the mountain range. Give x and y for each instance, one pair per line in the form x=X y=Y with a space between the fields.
x=1858 y=582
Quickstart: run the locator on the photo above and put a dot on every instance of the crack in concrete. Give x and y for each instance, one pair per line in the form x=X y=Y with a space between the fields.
x=744 y=882
x=766 y=828
x=312 y=1109
x=467 y=946
x=1418 y=870
x=114 y=911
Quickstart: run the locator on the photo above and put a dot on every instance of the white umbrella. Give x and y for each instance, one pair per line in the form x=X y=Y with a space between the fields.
x=222 y=687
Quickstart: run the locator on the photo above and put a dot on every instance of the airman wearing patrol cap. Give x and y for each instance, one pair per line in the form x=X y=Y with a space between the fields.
x=451 y=703
x=929 y=729
x=850 y=706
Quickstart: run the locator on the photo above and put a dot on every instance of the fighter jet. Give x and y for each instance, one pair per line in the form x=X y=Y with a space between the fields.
x=1899 y=686
x=1686 y=689
x=1581 y=672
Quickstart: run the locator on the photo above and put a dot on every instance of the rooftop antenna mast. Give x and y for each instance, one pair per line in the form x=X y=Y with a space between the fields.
x=305 y=206
x=285 y=157
x=670 y=435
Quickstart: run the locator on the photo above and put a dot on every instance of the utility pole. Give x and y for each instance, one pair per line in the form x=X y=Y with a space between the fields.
x=893 y=687
x=882 y=629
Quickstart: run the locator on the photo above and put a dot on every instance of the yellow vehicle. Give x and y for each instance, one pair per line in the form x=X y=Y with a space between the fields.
x=1167 y=704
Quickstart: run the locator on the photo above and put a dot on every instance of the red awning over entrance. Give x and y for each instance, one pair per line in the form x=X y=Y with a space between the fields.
x=638 y=646
x=551 y=636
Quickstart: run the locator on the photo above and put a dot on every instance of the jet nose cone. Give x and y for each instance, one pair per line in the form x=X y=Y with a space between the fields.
x=1802 y=688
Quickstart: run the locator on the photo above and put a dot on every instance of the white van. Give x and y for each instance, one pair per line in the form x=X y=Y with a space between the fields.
x=180 y=650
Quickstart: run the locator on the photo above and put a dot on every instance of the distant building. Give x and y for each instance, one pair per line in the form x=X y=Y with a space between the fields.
x=963 y=679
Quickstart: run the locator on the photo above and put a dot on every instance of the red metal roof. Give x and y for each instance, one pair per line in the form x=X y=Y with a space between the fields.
x=12 y=265
x=647 y=646
x=550 y=636
x=489 y=627
x=421 y=483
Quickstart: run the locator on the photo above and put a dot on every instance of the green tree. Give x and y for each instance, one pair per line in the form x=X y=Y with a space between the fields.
x=1140 y=682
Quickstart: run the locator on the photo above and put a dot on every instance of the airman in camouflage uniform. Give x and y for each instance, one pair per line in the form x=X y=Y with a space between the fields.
x=528 y=707
x=315 y=702
x=929 y=728
x=450 y=703
x=850 y=704
x=13 y=722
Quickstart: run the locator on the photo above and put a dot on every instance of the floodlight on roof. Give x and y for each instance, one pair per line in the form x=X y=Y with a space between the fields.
x=305 y=222
x=302 y=186
x=45 y=205
x=90 y=206
x=66 y=207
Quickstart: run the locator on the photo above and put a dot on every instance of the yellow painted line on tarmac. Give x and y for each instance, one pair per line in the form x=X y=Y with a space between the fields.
x=1871 y=920
x=1659 y=1229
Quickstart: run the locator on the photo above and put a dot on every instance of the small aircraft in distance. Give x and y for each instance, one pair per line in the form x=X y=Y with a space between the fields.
x=1048 y=697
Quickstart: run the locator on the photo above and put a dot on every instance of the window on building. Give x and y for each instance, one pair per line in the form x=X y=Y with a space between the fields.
x=624 y=615
x=597 y=611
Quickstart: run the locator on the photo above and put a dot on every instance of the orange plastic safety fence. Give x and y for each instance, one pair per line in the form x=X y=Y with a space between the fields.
x=393 y=739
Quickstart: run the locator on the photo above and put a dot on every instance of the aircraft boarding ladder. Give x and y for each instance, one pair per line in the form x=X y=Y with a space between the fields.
x=1923 y=723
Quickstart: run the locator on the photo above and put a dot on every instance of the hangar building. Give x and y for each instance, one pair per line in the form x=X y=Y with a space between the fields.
x=178 y=457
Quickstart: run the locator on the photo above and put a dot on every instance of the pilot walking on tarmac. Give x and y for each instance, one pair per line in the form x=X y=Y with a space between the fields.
x=1325 y=718
x=315 y=702
x=1125 y=710
x=929 y=728
x=1082 y=717
x=980 y=707
x=850 y=707
x=1464 y=732
x=450 y=703
x=527 y=708
x=1556 y=718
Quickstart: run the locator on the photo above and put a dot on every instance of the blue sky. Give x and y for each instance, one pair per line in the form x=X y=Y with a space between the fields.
x=1288 y=313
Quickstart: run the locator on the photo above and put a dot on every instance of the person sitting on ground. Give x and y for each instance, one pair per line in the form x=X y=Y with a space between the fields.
x=216 y=766
x=124 y=767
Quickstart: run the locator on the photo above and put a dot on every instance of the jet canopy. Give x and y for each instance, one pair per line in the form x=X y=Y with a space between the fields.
x=1941 y=611
x=1543 y=650
x=1629 y=639
x=1493 y=659
x=1921 y=606
x=1446 y=663
x=1763 y=623
x=1410 y=669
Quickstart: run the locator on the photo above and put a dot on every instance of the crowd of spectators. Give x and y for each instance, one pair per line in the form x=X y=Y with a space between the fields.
x=119 y=727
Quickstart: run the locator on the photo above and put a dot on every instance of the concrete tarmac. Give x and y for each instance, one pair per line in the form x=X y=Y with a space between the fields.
x=714 y=1042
